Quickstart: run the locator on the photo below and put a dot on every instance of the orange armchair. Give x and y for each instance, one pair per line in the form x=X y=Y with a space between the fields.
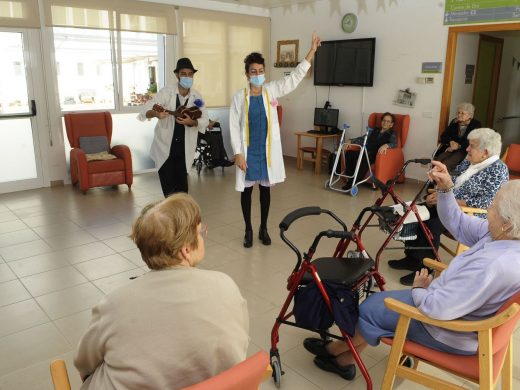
x=97 y=173
x=387 y=165
x=512 y=160
x=246 y=375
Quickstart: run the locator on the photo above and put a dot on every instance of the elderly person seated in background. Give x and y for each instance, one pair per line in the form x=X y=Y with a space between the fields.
x=477 y=180
x=173 y=326
x=474 y=286
x=379 y=140
x=454 y=140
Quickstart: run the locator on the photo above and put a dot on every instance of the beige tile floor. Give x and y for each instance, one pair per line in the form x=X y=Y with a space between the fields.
x=60 y=251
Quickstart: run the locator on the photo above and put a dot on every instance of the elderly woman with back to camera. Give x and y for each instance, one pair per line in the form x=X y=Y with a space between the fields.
x=477 y=180
x=174 y=326
x=454 y=140
x=473 y=287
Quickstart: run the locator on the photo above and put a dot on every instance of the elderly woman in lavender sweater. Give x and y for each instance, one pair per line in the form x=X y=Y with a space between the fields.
x=474 y=286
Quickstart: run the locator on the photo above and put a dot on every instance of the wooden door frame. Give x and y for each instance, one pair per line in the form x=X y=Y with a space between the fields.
x=451 y=50
x=496 y=76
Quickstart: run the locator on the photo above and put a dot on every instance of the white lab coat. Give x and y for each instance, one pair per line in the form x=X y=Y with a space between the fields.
x=163 y=136
x=237 y=123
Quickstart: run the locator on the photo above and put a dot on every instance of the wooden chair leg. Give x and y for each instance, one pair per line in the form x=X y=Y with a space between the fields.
x=485 y=359
x=395 y=352
x=507 y=369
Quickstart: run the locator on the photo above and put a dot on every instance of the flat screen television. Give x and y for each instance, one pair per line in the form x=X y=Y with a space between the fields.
x=326 y=118
x=347 y=62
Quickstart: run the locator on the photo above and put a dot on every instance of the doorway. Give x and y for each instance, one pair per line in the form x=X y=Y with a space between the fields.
x=453 y=35
x=19 y=141
x=489 y=59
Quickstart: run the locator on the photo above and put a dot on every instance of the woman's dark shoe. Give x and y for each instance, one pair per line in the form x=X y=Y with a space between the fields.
x=407 y=280
x=329 y=364
x=408 y=263
x=248 y=239
x=317 y=346
x=347 y=185
x=264 y=236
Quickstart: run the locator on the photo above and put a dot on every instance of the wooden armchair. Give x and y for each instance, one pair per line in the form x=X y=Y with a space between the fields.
x=494 y=354
x=246 y=375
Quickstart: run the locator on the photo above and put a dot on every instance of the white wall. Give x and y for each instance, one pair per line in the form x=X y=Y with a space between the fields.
x=467 y=53
x=508 y=96
x=408 y=33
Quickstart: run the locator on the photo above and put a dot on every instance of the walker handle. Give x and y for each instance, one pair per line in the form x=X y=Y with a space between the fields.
x=378 y=183
x=296 y=214
x=339 y=234
x=423 y=161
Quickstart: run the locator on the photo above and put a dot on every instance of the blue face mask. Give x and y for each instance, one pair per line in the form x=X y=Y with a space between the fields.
x=186 y=82
x=257 y=81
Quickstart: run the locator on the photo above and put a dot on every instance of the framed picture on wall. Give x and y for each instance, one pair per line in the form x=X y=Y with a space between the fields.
x=287 y=52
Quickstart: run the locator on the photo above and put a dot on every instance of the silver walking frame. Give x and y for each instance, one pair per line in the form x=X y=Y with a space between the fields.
x=336 y=177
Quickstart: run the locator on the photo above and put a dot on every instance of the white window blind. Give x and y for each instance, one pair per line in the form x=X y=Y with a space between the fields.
x=19 y=13
x=217 y=43
x=120 y=15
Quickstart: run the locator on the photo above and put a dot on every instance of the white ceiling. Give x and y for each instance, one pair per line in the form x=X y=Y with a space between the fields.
x=265 y=3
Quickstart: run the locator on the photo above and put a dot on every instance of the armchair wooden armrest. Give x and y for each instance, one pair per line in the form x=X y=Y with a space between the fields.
x=59 y=374
x=437 y=266
x=457 y=325
x=472 y=210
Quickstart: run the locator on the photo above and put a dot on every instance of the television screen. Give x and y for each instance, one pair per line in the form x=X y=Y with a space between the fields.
x=346 y=62
x=326 y=117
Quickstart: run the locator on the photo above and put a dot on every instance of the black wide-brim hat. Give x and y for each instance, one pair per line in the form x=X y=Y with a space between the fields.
x=184 y=63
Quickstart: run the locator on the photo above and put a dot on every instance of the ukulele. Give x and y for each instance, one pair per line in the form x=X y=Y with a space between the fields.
x=192 y=112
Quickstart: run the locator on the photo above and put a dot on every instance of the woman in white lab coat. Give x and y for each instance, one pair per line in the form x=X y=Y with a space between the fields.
x=255 y=135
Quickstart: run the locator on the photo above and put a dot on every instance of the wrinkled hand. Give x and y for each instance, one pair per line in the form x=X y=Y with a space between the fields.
x=422 y=278
x=186 y=121
x=383 y=149
x=240 y=162
x=440 y=175
x=454 y=145
x=431 y=199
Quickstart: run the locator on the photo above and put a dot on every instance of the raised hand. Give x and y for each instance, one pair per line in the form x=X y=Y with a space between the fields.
x=440 y=175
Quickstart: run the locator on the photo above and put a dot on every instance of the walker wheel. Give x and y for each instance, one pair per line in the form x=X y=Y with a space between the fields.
x=354 y=191
x=199 y=167
x=352 y=255
x=277 y=371
x=327 y=184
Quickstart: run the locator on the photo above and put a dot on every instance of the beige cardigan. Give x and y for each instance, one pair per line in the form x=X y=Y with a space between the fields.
x=165 y=330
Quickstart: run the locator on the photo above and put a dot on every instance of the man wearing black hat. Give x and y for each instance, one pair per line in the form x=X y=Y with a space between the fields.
x=175 y=139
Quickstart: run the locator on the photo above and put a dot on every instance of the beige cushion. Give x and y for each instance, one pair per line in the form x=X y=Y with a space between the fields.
x=100 y=156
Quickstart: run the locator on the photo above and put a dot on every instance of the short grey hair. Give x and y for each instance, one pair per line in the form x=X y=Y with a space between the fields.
x=467 y=107
x=508 y=206
x=488 y=139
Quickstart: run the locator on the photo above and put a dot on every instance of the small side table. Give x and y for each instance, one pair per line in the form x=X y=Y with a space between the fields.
x=319 y=149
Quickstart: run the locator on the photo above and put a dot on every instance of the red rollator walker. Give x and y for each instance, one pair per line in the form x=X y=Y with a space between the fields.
x=402 y=220
x=354 y=271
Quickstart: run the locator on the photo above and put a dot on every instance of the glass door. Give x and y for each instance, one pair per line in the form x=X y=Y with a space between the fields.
x=20 y=166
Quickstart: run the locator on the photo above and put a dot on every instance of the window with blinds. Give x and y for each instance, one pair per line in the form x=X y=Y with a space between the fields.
x=111 y=55
x=217 y=43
